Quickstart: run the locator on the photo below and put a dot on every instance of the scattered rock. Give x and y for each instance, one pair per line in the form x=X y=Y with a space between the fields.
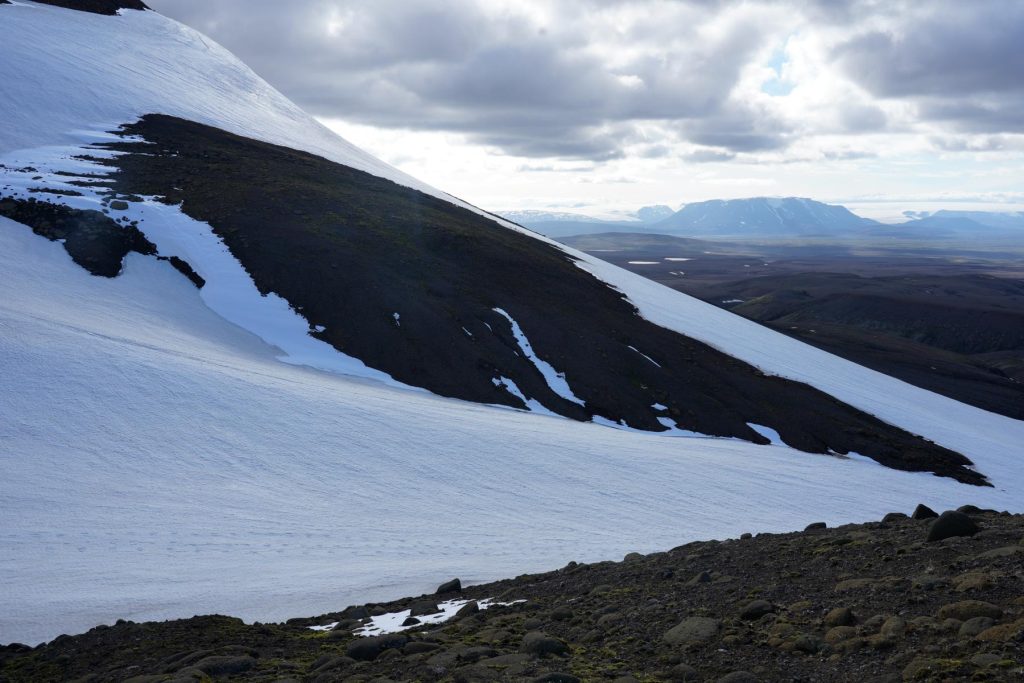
x=453 y=586
x=996 y=553
x=815 y=525
x=1003 y=633
x=562 y=613
x=756 y=609
x=974 y=626
x=419 y=647
x=807 y=643
x=541 y=644
x=840 y=616
x=224 y=666
x=924 y=512
x=950 y=524
x=693 y=630
x=683 y=672
x=968 y=609
x=854 y=584
x=893 y=627
x=470 y=608
x=411 y=621
x=423 y=608
x=119 y=205
x=838 y=634
x=703 y=577
x=894 y=517
x=367 y=649
x=739 y=677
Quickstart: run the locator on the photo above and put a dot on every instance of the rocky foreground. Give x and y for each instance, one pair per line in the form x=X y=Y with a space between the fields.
x=903 y=599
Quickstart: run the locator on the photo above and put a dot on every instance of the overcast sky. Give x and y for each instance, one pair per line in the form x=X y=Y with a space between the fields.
x=601 y=107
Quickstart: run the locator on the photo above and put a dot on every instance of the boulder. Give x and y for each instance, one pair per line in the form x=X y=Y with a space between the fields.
x=968 y=609
x=974 y=626
x=693 y=630
x=541 y=644
x=756 y=609
x=367 y=649
x=471 y=607
x=815 y=525
x=840 y=616
x=924 y=512
x=950 y=524
x=423 y=608
x=453 y=586
x=224 y=665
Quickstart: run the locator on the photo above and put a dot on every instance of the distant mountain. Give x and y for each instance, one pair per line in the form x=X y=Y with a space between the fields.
x=763 y=216
x=952 y=224
x=532 y=217
x=653 y=214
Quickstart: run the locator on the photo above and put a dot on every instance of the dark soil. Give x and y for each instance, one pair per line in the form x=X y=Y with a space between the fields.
x=869 y=602
x=350 y=250
x=951 y=322
x=109 y=7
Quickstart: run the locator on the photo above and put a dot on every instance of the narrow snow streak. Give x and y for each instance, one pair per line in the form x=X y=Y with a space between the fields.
x=555 y=380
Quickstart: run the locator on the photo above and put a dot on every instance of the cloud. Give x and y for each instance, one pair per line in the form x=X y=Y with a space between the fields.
x=600 y=80
x=960 y=63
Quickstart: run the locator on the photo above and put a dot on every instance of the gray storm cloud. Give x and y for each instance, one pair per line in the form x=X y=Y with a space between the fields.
x=580 y=78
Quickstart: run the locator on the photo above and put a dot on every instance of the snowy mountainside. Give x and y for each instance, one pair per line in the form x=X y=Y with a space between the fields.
x=347 y=265
x=153 y=448
x=764 y=216
x=154 y=454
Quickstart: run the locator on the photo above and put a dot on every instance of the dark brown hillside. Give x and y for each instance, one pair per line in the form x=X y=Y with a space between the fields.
x=409 y=284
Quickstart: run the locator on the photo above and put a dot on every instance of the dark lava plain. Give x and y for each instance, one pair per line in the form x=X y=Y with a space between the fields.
x=861 y=602
x=947 y=318
x=408 y=284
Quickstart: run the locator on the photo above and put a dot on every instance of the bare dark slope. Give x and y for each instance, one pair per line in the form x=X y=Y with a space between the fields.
x=109 y=7
x=409 y=284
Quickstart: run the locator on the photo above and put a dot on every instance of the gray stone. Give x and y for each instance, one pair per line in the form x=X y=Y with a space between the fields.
x=693 y=630
x=756 y=609
x=541 y=644
x=224 y=665
x=423 y=608
x=974 y=626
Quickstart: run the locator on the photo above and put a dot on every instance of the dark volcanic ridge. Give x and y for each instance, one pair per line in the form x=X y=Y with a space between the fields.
x=109 y=7
x=868 y=602
x=426 y=291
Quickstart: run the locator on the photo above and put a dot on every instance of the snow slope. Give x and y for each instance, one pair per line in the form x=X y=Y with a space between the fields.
x=98 y=72
x=160 y=462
